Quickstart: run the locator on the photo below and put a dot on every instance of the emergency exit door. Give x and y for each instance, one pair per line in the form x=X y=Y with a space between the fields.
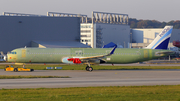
x=23 y=53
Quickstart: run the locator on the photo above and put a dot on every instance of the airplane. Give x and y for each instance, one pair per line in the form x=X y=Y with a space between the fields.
x=176 y=43
x=91 y=56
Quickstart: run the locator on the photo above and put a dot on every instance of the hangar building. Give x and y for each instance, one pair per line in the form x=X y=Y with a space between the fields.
x=102 y=28
x=27 y=30
x=105 y=28
x=143 y=37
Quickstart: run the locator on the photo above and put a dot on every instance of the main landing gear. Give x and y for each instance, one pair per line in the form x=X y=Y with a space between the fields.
x=89 y=68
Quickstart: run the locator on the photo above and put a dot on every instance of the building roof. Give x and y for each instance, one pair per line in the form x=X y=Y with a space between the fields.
x=61 y=44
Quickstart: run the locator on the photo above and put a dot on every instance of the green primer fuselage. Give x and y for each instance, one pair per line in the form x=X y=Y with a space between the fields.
x=56 y=55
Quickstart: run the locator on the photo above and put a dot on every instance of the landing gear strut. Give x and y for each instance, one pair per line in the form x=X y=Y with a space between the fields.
x=89 y=68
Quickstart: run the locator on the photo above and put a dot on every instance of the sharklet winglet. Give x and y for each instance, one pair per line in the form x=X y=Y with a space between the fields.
x=112 y=51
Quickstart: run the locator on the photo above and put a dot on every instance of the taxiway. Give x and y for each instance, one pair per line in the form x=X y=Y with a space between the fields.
x=81 y=78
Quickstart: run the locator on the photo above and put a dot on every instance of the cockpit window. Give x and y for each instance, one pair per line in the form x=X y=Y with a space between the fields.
x=13 y=52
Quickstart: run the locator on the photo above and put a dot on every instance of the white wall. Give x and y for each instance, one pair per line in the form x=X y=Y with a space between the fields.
x=148 y=35
x=145 y=35
x=86 y=34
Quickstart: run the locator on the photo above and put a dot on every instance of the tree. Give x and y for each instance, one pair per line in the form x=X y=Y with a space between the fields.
x=134 y=23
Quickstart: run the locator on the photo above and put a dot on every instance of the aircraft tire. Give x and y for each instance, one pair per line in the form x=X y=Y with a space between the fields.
x=87 y=68
x=90 y=69
x=31 y=70
x=15 y=69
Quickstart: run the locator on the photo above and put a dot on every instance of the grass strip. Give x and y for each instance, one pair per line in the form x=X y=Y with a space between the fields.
x=20 y=77
x=95 y=67
x=116 y=93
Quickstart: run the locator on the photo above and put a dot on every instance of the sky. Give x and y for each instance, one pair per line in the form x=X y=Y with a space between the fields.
x=160 y=10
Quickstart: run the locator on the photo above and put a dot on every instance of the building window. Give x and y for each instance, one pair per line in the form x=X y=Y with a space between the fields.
x=87 y=40
x=85 y=31
x=85 y=35
x=86 y=26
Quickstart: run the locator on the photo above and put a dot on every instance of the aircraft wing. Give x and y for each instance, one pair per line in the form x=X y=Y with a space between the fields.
x=90 y=58
x=99 y=56
x=93 y=57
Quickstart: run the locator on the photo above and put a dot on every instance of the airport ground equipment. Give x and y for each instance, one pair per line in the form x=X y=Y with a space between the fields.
x=16 y=69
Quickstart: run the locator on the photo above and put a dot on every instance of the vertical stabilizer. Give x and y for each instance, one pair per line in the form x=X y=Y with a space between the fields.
x=162 y=40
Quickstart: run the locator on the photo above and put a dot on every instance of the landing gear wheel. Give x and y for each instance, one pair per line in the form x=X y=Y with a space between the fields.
x=87 y=68
x=15 y=69
x=90 y=69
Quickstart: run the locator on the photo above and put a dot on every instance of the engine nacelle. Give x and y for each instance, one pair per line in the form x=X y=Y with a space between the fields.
x=70 y=60
x=75 y=60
